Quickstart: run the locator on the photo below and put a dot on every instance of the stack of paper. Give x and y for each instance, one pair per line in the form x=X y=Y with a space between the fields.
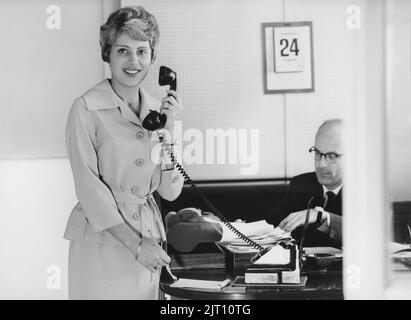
x=395 y=248
x=200 y=284
x=260 y=231
x=277 y=255
x=323 y=250
x=400 y=252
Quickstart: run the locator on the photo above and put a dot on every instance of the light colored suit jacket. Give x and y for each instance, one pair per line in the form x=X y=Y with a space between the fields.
x=115 y=167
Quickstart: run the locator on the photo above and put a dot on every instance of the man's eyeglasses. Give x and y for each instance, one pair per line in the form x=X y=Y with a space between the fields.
x=330 y=157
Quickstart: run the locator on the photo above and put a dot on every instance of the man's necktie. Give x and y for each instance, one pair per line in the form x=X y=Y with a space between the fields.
x=329 y=201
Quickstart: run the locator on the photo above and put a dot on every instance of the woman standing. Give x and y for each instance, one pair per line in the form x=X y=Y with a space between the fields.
x=116 y=229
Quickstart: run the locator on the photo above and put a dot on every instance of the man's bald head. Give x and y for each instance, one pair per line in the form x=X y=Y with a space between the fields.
x=329 y=140
x=332 y=126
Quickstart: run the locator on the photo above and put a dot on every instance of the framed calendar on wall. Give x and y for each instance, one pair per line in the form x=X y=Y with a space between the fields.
x=288 y=57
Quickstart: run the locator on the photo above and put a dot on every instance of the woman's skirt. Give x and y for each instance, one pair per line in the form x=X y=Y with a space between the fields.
x=98 y=271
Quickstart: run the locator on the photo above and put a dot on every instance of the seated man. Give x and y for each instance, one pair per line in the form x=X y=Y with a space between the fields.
x=324 y=187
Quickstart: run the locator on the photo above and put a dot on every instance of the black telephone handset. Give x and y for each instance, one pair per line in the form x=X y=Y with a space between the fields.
x=167 y=77
x=154 y=120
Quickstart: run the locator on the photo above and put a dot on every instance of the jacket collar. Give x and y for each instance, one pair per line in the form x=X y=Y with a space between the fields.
x=103 y=97
x=336 y=191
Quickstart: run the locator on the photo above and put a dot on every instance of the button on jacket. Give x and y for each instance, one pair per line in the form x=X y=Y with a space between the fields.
x=114 y=174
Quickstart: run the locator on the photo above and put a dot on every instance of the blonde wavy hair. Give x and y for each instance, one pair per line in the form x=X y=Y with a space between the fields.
x=134 y=20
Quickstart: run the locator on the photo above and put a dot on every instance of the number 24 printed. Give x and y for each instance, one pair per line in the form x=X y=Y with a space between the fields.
x=293 y=47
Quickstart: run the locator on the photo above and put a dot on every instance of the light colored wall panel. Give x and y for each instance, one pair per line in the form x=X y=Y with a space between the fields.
x=36 y=198
x=399 y=97
x=216 y=49
x=332 y=69
x=43 y=70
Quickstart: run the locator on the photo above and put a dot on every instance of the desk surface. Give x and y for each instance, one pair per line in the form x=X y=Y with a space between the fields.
x=320 y=285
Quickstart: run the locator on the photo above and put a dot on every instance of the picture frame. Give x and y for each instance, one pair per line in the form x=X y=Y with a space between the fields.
x=288 y=57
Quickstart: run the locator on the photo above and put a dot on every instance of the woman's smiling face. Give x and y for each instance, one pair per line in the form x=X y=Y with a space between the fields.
x=130 y=61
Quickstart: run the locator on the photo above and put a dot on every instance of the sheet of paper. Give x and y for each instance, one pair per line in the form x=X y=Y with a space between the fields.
x=394 y=247
x=199 y=284
x=403 y=254
x=245 y=248
x=266 y=239
x=277 y=255
x=399 y=250
x=257 y=228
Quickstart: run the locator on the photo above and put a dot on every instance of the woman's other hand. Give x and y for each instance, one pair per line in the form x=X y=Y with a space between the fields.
x=152 y=256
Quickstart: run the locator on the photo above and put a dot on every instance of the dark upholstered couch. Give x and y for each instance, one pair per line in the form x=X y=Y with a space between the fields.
x=248 y=201
x=401 y=217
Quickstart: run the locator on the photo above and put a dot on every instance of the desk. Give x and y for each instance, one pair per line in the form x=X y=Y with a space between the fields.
x=320 y=285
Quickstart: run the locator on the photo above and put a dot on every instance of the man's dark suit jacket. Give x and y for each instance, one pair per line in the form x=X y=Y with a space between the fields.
x=302 y=188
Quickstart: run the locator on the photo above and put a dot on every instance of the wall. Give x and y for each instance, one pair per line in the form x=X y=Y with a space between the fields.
x=286 y=122
x=216 y=48
x=36 y=196
x=50 y=57
x=41 y=71
x=399 y=97
x=305 y=112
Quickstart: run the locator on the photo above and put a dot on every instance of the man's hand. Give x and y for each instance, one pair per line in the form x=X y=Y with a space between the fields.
x=297 y=219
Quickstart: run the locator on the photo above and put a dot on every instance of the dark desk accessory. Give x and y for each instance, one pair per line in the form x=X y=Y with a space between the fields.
x=322 y=261
x=192 y=241
x=203 y=256
x=190 y=261
x=277 y=270
x=234 y=260
x=239 y=281
x=185 y=236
